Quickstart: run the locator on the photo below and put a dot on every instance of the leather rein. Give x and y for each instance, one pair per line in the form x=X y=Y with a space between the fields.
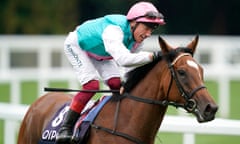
x=190 y=105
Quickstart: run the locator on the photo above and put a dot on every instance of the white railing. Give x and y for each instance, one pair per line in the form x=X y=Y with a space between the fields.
x=221 y=50
x=174 y=124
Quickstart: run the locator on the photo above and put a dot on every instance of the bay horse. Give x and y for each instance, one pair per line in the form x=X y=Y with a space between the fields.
x=135 y=116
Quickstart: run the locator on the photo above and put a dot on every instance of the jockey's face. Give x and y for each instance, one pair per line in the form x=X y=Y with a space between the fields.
x=141 y=32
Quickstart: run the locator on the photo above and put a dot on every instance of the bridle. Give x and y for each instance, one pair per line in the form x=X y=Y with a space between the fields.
x=190 y=104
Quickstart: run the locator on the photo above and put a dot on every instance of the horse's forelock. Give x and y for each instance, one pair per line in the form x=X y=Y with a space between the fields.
x=185 y=50
x=172 y=54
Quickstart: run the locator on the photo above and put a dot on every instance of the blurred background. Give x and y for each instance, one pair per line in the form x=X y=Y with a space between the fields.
x=31 y=56
x=211 y=17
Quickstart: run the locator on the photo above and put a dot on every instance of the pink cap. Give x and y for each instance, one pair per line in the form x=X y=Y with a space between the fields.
x=145 y=12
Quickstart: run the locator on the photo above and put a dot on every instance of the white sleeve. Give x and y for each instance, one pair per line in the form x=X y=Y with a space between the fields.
x=139 y=48
x=113 y=41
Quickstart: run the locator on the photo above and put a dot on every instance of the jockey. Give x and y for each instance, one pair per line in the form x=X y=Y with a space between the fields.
x=97 y=47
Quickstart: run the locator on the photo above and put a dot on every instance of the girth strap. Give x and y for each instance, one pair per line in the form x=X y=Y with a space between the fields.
x=126 y=136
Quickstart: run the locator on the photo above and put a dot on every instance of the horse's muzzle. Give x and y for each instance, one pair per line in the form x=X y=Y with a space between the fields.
x=207 y=114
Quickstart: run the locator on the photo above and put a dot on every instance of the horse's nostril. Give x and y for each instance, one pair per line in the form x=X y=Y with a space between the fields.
x=210 y=110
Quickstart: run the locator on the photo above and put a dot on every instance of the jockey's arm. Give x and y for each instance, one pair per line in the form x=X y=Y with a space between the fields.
x=113 y=41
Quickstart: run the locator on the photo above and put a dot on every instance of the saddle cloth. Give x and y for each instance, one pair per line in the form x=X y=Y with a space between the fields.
x=82 y=126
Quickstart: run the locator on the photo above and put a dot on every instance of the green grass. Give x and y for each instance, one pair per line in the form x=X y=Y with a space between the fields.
x=4 y=92
x=235 y=100
x=214 y=139
x=1 y=131
x=29 y=94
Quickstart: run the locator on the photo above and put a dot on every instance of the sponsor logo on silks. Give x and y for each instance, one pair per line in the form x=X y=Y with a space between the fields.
x=77 y=61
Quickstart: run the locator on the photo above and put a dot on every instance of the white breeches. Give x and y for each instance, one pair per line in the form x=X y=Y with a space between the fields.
x=85 y=67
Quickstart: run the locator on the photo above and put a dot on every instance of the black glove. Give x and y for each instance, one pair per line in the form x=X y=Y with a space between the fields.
x=157 y=55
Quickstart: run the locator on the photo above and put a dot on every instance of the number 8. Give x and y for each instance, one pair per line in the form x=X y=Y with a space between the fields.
x=60 y=117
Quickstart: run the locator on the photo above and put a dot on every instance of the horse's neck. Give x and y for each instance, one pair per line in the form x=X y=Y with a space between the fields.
x=146 y=118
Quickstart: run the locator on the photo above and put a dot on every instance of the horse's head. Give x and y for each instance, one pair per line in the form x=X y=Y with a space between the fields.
x=186 y=86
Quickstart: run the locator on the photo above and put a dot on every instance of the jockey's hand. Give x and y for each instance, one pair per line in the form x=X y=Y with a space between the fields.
x=157 y=55
x=121 y=90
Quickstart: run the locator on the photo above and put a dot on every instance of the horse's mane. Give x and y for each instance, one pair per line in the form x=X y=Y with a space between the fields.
x=136 y=75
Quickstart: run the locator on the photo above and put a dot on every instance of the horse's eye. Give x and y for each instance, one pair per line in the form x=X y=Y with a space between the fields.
x=181 y=72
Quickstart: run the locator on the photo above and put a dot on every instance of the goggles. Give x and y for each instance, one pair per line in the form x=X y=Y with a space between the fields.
x=151 y=25
x=152 y=15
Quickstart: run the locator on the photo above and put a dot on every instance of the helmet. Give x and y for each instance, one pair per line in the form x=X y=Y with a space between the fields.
x=145 y=12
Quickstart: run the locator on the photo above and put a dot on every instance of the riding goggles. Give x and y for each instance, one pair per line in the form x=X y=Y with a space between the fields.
x=152 y=15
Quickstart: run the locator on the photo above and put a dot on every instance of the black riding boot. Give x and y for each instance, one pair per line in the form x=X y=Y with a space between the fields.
x=65 y=133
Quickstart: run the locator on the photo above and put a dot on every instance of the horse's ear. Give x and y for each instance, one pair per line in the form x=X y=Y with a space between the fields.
x=193 y=44
x=164 y=46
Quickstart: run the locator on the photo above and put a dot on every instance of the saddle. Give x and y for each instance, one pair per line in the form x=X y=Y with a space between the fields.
x=82 y=127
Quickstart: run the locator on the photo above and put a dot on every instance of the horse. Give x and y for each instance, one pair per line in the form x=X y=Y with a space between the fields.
x=135 y=115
